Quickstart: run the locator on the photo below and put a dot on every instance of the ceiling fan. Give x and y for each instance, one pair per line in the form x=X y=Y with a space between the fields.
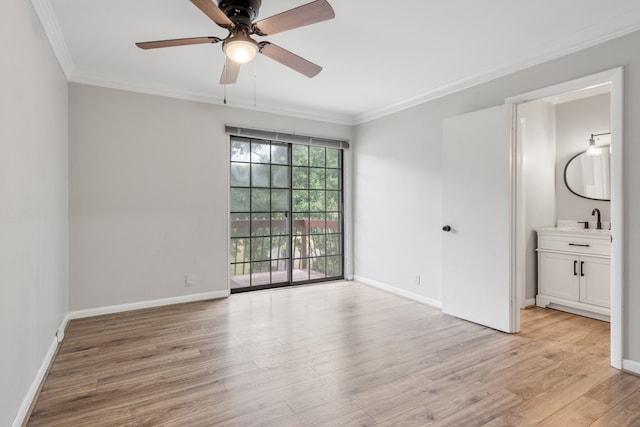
x=237 y=17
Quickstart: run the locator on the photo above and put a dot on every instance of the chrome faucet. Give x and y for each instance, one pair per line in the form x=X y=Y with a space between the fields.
x=596 y=212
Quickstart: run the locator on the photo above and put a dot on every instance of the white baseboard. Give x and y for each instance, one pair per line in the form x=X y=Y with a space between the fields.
x=631 y=366
x=42 y=372
x=529 y=302
x=80 y=314
x=35 y=385
x=62 y=328
x=398 y=291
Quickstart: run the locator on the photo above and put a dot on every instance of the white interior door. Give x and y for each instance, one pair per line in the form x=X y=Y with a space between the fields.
x=477 y=212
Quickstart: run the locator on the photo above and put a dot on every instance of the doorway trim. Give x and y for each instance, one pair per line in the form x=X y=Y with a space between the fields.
x=614 y=76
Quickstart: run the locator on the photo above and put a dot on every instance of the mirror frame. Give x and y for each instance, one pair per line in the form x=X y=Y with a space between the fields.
x=564 y=175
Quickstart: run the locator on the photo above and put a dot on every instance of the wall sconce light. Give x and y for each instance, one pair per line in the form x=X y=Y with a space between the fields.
x=593 y=149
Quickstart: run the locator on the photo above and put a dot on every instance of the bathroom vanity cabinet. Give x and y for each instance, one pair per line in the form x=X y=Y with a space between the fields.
x=574 y=271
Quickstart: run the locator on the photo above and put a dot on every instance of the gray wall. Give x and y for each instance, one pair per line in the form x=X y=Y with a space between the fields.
x=33 y=202
x=397 y=176
x=575 y=122
x=149 y=193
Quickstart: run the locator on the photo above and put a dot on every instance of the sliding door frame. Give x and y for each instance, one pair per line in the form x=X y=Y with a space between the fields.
x=304 y=257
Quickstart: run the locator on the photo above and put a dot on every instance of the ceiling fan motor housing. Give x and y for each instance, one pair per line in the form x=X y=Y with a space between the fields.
x=240 y=11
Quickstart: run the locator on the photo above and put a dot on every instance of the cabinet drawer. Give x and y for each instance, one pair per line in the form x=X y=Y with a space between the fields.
x=582 y=245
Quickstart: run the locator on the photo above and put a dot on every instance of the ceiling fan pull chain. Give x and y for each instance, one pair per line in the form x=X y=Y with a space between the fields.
x=255 y=84
x=224 y=89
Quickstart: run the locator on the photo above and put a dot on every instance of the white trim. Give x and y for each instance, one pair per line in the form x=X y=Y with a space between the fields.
x=49 y=22
x=62 y=328
x=631 y=366
x=398 y=291
x=147 y=304
x=40 y=375
x=518 y=134
x=35 y=385
x=44 y=9
x=82 y=77
x=528 y=303
x=514 y=294
x=347 y=212
x=491 y=74
x=575 y=307
x=616 y=77
x=617 y=217
x=581 y=94
x=565 y=87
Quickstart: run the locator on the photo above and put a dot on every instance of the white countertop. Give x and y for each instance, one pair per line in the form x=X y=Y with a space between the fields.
x=574 y=231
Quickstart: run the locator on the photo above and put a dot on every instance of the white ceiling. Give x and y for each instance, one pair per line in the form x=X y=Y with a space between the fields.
x=378 y=57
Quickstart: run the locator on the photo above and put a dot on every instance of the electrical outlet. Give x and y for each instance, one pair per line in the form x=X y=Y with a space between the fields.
x=189 y=280
x=417 y=279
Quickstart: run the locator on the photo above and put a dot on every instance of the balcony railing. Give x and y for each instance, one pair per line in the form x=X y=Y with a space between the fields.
x=260 y=253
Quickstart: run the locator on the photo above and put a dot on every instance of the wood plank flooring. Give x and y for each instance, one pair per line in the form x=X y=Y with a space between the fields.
x=335 y=354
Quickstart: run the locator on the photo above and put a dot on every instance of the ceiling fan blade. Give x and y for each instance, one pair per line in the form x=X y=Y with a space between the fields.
x=229 y=72
x=213 y=12
x=177 y=42
x=289 y=59
x=307 y=14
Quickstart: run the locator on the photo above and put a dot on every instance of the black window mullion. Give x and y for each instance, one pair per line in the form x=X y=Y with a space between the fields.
x=290 y=215
x=270 y=208
x=250 y=214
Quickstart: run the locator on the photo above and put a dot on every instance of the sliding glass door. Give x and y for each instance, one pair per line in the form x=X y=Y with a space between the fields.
x=286 y=214
x=317 y=213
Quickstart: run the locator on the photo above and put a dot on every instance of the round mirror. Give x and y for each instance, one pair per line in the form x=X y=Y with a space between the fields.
x=588 y=175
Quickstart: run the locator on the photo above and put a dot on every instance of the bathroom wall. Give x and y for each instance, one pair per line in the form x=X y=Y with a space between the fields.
x=550 y=135
x=575 y=122
x=537 y=139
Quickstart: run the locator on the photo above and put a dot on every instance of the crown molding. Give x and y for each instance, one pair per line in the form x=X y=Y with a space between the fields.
x=47 y=16
x=614 y=31
x=604 y=32
x=105 y=81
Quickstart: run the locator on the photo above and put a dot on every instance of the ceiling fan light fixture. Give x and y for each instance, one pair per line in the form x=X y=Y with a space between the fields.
x=240 y=48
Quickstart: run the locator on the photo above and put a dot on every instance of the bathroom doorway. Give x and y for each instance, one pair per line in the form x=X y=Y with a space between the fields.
x=552 y=125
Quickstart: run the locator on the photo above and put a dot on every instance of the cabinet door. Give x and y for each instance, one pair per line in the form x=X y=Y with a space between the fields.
x=559 y=275
x=594 y=281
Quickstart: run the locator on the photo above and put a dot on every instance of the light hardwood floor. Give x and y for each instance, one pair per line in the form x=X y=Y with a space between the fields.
x=333 y=354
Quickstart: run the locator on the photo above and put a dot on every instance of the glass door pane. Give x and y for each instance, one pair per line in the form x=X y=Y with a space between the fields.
x=317 y=247
x=260 y=193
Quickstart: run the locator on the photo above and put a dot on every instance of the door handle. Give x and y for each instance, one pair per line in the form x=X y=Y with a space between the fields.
x=446 y=228
x=575 y=266
x=582 y=268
